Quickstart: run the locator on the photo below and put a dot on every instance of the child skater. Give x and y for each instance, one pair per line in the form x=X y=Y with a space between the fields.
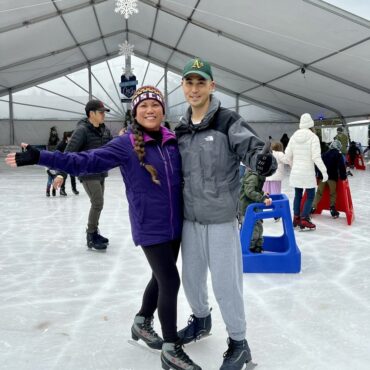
x=252 y=192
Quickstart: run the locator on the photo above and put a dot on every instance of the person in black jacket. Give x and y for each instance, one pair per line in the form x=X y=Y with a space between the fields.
x=91 y=133
x=61 y=147
x=334 y=162
x=284 y=140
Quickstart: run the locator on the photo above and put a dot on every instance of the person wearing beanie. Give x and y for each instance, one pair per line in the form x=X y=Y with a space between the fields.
x=336 y=169
x=213 y=141
x=303 y=153
x=150 y=164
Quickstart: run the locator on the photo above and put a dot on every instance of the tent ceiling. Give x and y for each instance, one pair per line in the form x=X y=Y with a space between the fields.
x=257 y=48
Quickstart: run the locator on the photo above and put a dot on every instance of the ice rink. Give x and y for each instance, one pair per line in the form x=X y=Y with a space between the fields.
x=65 y=308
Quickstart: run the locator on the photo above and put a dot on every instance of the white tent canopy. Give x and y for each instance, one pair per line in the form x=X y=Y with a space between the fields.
x=287 y=57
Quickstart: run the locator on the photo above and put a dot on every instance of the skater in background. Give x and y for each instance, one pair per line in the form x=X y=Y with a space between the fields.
x=51 y=176
x=91 y=133
x=251 y=192
x=336 y=169
x=272 y=185
x=284 y=141
x=303 y=153
x=212 y=142
x=353 y=152
x=343 y=138
x=150 y=165
x=61 y=147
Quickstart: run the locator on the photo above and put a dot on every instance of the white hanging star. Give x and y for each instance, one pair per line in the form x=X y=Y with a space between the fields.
x=126 y=7
x=126 y=49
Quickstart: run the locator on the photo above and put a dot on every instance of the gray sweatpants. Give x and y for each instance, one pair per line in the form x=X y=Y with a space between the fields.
x=215 y=247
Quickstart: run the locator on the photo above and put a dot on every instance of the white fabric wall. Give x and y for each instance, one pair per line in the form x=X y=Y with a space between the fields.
x=359 y=134
x=4 y=132
x=276 y=130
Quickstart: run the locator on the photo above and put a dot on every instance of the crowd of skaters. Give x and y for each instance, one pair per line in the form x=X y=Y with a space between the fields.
x=183 y=189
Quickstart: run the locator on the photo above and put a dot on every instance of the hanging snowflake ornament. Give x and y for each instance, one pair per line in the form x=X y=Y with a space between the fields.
x=126 y=49
x=126 y=7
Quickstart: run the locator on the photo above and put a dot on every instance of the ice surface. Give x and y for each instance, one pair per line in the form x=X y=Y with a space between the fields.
x=63 y=307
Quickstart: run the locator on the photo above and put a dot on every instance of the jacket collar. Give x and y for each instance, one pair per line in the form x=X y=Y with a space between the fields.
x=166 y=136
x=207 y=119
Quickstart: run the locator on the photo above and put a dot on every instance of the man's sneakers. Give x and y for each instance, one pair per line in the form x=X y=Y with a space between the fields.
x=197 y=328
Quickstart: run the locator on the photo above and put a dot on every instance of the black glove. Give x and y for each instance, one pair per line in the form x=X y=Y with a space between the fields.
x=266 y=164
x=30 y=156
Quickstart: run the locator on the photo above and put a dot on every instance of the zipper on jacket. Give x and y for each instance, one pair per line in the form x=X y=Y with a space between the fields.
x=169 y=189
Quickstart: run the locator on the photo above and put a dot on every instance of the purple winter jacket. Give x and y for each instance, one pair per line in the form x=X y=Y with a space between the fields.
x=155 y=210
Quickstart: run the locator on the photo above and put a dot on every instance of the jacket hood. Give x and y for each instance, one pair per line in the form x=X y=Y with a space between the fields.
x=207 y=119
x=303 y=135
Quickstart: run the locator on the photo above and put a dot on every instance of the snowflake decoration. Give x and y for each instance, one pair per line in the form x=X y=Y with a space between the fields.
x=126 y=49
x=126 y=7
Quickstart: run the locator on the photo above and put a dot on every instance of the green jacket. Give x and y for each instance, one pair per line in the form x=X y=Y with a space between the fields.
x=343 y=138
x=251 y=190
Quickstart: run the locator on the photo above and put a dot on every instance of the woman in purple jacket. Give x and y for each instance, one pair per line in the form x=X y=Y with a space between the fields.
x=150 y=165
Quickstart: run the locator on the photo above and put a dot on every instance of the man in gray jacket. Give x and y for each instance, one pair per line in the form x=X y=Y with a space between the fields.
x=91 y=133
x=212 y=141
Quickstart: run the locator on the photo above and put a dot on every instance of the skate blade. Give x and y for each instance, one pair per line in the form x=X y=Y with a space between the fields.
x=250 y=365
x=144 y=347
x=96 y=250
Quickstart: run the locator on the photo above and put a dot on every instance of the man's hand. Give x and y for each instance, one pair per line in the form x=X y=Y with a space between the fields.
x=19 y=159
x=266 y=164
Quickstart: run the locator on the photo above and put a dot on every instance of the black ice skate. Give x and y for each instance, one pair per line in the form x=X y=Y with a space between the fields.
x=334 y=213
x=62 y=192
x=53 y=192
x=101 y=238
x=256 y=248
x=236 y=355
x=142 y=328
x=94 y=243
x=75 y=191
x=174 y=357
x=196 y=329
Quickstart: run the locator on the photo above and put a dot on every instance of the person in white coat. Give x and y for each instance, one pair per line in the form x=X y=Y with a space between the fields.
x=303 y=152
x=272 y=184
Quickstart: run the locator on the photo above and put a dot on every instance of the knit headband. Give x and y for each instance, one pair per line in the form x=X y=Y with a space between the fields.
x=145 y=93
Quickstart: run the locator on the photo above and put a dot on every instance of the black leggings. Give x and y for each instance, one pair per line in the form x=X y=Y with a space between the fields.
x=161 y=291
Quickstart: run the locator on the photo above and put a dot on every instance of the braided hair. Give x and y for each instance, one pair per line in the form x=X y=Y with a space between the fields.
x=139 y=148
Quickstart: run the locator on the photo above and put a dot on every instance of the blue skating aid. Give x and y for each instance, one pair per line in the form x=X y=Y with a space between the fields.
x=280 y=253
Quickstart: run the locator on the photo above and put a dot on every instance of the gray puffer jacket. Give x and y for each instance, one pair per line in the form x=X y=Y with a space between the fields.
x=211 y=152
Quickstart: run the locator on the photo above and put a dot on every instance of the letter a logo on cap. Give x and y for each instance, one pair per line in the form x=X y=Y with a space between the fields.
x=197 y=64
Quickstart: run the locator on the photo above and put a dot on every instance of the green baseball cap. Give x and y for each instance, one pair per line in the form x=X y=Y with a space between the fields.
x=199 y=67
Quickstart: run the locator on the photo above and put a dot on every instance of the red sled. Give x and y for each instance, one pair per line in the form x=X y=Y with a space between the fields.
x=342 y=204
x=359 y=162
